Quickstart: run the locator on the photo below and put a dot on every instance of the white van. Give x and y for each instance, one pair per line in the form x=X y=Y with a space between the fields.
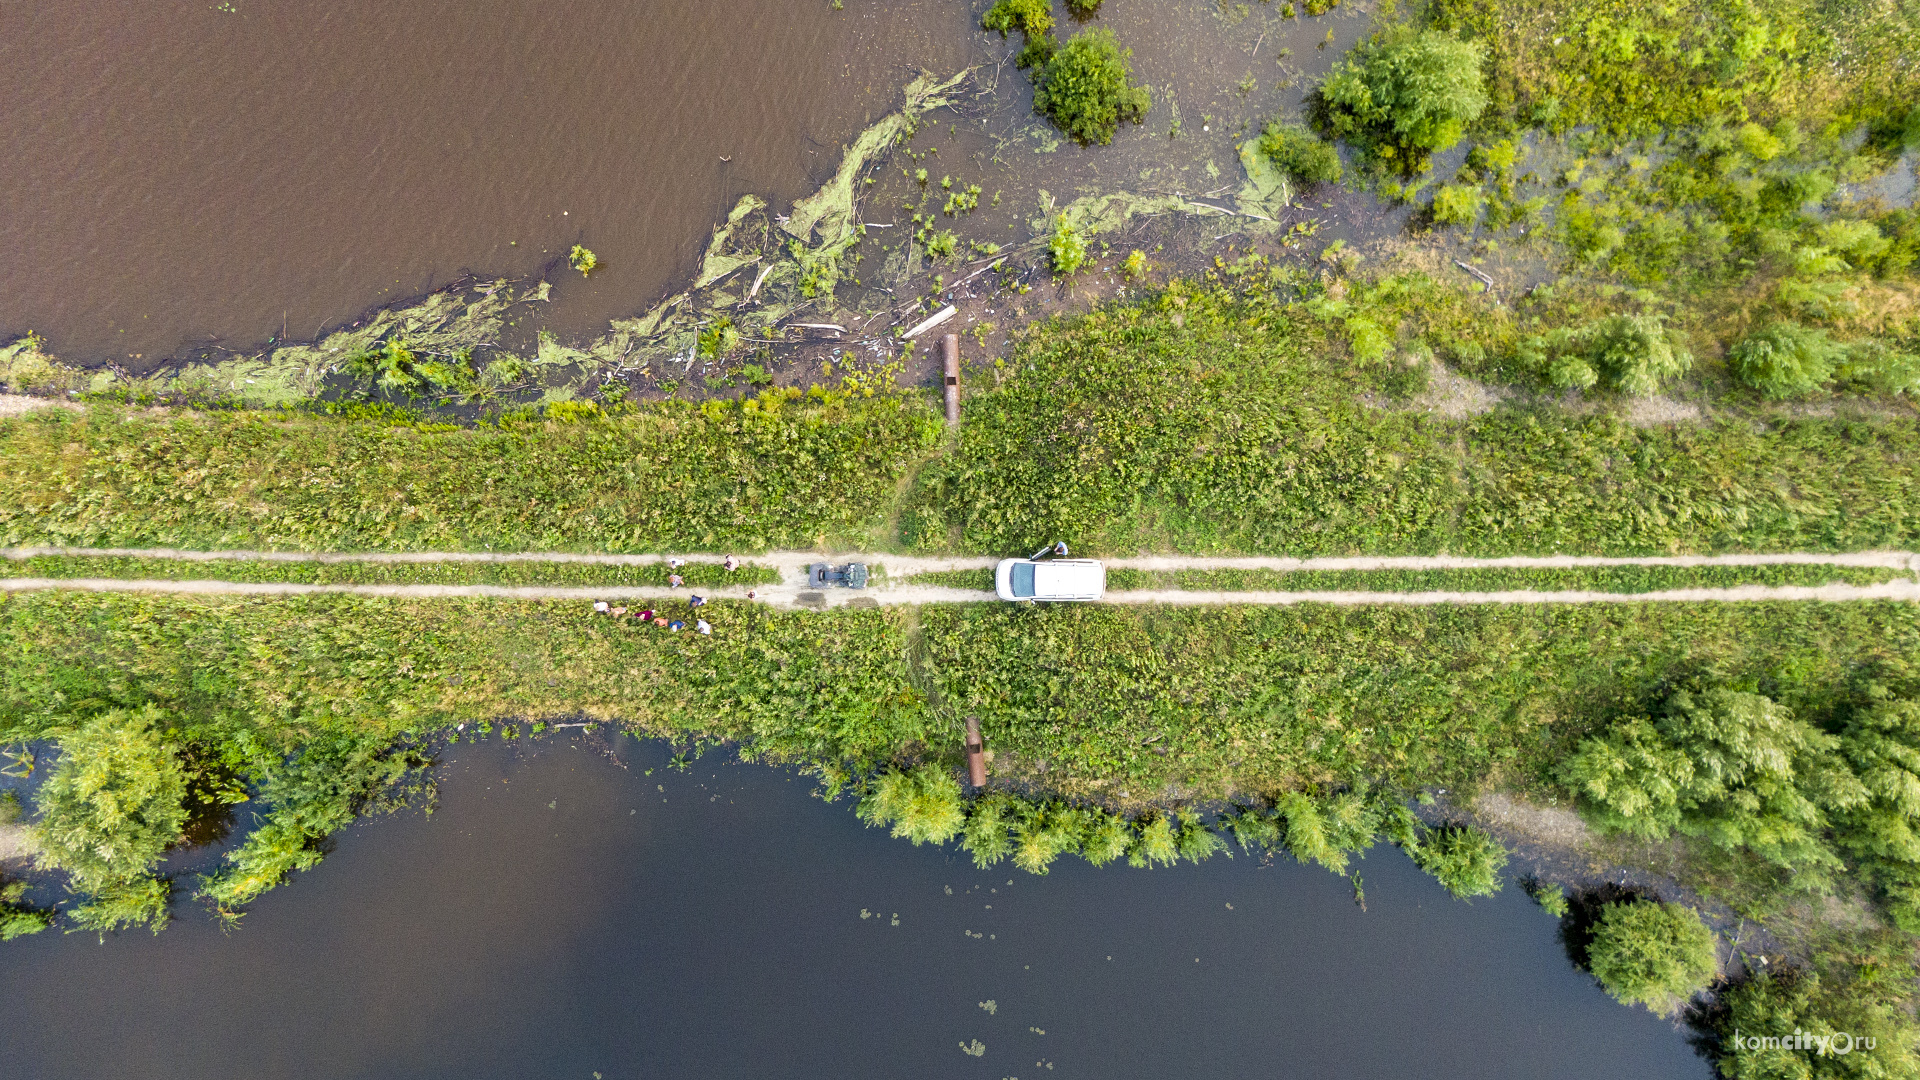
x=1051 y=579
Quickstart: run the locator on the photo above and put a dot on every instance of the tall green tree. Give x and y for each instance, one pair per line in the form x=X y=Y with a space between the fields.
x=1882 y=743
x=1734 y=768
x=116 y=799
x=1653 y=954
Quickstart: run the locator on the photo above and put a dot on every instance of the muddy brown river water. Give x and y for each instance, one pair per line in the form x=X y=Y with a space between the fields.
x=174 y=173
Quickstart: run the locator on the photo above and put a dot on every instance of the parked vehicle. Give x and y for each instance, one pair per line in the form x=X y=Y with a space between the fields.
x=1050 y=579
x=851 y=576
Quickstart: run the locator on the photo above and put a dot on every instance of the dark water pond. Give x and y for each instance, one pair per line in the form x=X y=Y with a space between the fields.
x=562 y=916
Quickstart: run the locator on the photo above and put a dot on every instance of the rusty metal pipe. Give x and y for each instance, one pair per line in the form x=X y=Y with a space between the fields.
x=976 y=754
x=951 y=346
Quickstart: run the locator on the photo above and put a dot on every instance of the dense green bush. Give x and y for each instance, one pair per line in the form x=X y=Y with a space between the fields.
x=1633 y=354
x=1301 y=154
x=1457 y=204
x=1405 y=94
x=1882 y=368
x=1653 y=954
x=922 y=804
x=1031 y=17
x=317 y=791
x=18 y=919
x=1882 y=744
x=115 y=800
x=1734 y=768
x=1466 y=860
x=1785 y=360
x=1856 y=985
x=1083 y=87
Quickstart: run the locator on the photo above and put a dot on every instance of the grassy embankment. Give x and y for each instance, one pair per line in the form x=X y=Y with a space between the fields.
x=1211 y=419
x=513 y=574
x=1617 y=579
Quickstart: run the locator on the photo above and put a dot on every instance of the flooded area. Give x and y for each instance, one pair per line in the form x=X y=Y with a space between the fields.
x=187 y=177
x=565 y=914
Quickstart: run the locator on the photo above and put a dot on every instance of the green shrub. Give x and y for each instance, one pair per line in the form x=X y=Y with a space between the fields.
x=115 y=801
x=1083 y=8
x=317 y=791
x=1881 y=368
x=1881 y=743
x=1108 y=838
x=17 y=919
x=1043 y=832
x=922 y=804
x=1653 y=954
x=1464 y=859
x=1031 y=17
x=1785 y=360
x=1083 y=87
x=1735 y=768
x=1405 y=94
x=1550 y=896
x=1857 y=984
x=1156 y=844
x=1301 y=154
x=140 y=900
x=984 y=835
x=1457 y=204
x=1633 y=354
x=1195 y=841
x=1068 y=250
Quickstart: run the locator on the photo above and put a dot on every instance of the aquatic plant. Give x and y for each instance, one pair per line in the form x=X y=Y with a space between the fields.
x=16 y=919
x=984 y=835
x=1194 y=841
x=1466 y=860
x=1648 y=953
x=922 y=804
x=1135 y=266
x=1107 y=837
x=1404 y=95
x=1043 y=832
x=314 y=793
x=1300 y=153
x=1083 y=87
x=1084 y=8
x=1030 y=17
x=719 y=338
x=1549 y=895
x=1156 y=844
x=1065 y=246
x=582 y=260
x=1457 y=204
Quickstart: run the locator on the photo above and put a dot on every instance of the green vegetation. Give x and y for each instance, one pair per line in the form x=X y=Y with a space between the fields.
x=115 y=801
x=1031 y=17
x=1301 y=154
x=922 y=805
x=1083 y=87
x=1109 y=429
x=1633 y=354
x=1464 y=859
x=1619 y=579
x=1405 y=94
x=582 y=260
x=1857 y=983
x=1734 y=768
x=780 y=468
x=1065 y=247
x=517 y=574
x=1653 y=954
x=1786 y=361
